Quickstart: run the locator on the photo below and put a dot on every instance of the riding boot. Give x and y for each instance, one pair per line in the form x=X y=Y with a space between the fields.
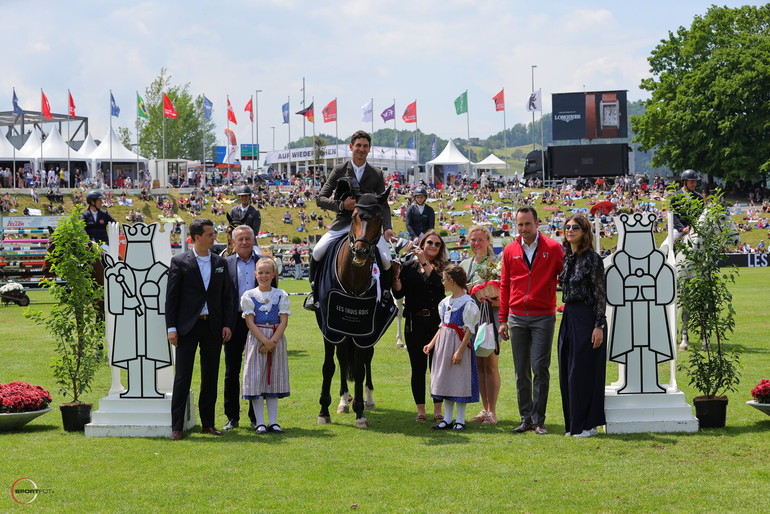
x=386 y=279
x=310 y=303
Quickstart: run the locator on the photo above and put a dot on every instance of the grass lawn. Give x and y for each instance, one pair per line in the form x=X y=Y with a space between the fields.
x=396 y=464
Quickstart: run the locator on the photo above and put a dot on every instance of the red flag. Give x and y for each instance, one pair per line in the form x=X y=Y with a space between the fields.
x=330 y=111
x=410 y=114
x=249 y=109
x=72 y=105
x=230 y=112
x=45 y=106
x=499 y=99
x=168 y=108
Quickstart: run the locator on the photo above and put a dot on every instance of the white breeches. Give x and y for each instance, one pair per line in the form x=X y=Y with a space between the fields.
x=321 y=246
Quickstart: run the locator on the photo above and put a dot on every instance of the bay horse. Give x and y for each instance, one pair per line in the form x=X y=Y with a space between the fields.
x=354 y=261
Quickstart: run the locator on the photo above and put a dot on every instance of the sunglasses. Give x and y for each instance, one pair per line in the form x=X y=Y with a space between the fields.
x=572 y=227
x=433 y=243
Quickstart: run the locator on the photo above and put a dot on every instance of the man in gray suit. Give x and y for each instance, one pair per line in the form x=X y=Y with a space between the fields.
x=363 y=178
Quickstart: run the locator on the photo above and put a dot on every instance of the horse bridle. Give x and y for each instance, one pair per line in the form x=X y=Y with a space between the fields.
x=371 y=243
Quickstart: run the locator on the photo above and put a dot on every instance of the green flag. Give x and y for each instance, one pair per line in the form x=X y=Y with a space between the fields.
x=141 y=109
x=461 y=103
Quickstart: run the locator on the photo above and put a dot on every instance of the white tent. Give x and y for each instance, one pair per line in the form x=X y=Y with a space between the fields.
x=6 y=149
x=450 y=156
x=31 y=148
x=492 y=162
x=55 y=148
x=114 y=153
x=88 y=146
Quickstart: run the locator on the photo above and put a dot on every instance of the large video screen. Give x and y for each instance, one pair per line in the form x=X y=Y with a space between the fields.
x=592 y=115
x=610 y=160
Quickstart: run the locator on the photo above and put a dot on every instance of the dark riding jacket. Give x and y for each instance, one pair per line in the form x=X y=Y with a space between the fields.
x=372 y=181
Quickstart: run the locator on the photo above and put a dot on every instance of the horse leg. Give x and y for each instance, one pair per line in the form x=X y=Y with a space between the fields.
x=328 y=374
x=360 y=357
x=344 y=406
x=369 y=389
x=684 y=332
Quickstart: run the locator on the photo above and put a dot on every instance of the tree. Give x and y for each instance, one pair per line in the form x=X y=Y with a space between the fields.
x=710 y=103
x=187 y=135
x=124 y=136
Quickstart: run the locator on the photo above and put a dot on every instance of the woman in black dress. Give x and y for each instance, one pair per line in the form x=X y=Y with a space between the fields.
x=582 y=354
x=419 y=283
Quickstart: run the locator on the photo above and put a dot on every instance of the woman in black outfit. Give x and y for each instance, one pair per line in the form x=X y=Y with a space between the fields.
x=419 y=283
x=582 y=354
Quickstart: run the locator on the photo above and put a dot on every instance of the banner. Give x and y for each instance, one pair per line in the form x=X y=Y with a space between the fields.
x=389 y=113
x=45 y=107
x=232 y=147
x=330 y=111
x=169 y=111
x=367 y=111
x=285 y=112
x=230 y=112
x=590 y=115
x=114 y=109
x=461 y=103
x=534 y=103
x=16 y=108
x=207 y=108
x=499 y=100
x=410 y=113
x=250 y=109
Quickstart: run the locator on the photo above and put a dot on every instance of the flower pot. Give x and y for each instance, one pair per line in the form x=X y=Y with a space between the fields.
x=15 y=420
x=711 y=412
x=764 y=407
x=75 y=416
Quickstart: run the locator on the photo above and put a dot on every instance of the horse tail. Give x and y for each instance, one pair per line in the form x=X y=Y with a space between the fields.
x=349 y=351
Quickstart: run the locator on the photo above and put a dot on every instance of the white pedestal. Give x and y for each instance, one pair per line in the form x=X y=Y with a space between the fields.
x=136 y=417
x=656 y=413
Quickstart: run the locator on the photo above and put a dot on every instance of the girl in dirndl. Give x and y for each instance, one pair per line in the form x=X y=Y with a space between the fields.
x=454 y=377
x=266 y=372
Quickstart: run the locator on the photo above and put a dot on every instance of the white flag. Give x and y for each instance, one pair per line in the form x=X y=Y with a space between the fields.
x=534 y=103
x=366 y=111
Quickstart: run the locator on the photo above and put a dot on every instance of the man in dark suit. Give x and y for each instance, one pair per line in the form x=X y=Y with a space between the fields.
x=96 y=219
x=199 y=311
x=240 y=266
x=364 y=178
x=245 y=213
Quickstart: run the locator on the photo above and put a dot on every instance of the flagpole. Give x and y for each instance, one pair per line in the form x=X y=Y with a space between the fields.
x=256 y=127
x=395 y=138
x=468 y=116
x=303 y=108
x=252 y=143
x=68 y=135
x=372 y=104
x=42 y=132
x=533 y=110
x=315 y=165
x=336 y=133
x=542 y=141
x=505 y=136
x=112 y=175
x=203 y=132
x=136 y=148
x=288 y=126
x=227 y=152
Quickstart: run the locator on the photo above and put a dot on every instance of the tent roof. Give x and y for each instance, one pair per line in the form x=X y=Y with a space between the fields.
x=450 y=155
x=88 y=146
x=31 y=148
x=6 y=148
x=55 y=148
x=491 y=162
x=117 y=153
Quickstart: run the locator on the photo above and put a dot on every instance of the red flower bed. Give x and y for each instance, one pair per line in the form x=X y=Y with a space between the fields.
x=23 y=397
x=761 y=393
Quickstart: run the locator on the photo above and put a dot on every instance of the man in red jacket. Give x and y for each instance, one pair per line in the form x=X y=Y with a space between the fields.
x=531 y=266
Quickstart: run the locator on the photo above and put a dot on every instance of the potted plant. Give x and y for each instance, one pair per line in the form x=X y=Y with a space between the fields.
x=20 y=403
x=704 y=292
x=761 y=395
x=74 y=321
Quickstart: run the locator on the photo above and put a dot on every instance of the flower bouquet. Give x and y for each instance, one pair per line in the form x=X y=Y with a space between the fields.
x=761 y=395
x=489 y=289
x=11 y=289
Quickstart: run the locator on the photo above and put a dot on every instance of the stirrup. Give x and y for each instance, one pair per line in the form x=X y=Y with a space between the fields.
x=309 y=303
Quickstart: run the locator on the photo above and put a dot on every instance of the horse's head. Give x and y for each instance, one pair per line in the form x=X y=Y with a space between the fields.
x=366 y=229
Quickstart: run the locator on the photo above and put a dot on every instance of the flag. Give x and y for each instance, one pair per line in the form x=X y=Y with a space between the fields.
x=232 y=147
x=366 y=111
x=499 y=100
x=45 y=107
x=72 y=105
x=114 y=109
x=534 y=104
x=250 y=109
x=330 y=111
x=389 y=113
x=207 y=108
x=168 y=108
x=461 y=103
x=285 y=112
x=308 y=113
x=16 y=108
x=410 y=144
x=433 y=149
x=410 y=114
x=141 y=109
x=230 y=112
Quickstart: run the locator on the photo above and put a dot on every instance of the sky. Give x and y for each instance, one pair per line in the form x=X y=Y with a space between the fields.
x=387 y=51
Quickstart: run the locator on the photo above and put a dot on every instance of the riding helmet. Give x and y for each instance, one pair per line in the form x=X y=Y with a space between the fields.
x=690 y=175
x=420 y=191
x=243 y=190
x=94 y=195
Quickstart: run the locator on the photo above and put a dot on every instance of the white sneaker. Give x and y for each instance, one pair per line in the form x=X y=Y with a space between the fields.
x=588 y=433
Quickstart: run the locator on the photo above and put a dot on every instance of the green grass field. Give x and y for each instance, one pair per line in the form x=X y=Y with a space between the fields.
x=396 y=464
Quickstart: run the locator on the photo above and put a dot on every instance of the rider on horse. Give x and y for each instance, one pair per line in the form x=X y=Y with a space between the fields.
x=363 y=178
x=680 y=200
x=96 y=219
x=245 y=213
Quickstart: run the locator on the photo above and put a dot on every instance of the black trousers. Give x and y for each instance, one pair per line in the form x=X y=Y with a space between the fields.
x=233 y=360
x=419 y=331
x=211 y=348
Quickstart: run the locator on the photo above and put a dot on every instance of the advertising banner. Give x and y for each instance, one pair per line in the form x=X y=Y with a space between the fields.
x=590 y=115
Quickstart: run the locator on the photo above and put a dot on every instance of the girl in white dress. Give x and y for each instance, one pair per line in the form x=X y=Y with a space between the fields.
x=454 y=377
x=266 y=372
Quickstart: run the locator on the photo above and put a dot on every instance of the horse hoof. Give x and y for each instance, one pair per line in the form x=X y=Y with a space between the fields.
x=399 y=344
x=324 y=420
x=343 y=409
x=362 y=423
x=370 y=406
x=683 y=346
